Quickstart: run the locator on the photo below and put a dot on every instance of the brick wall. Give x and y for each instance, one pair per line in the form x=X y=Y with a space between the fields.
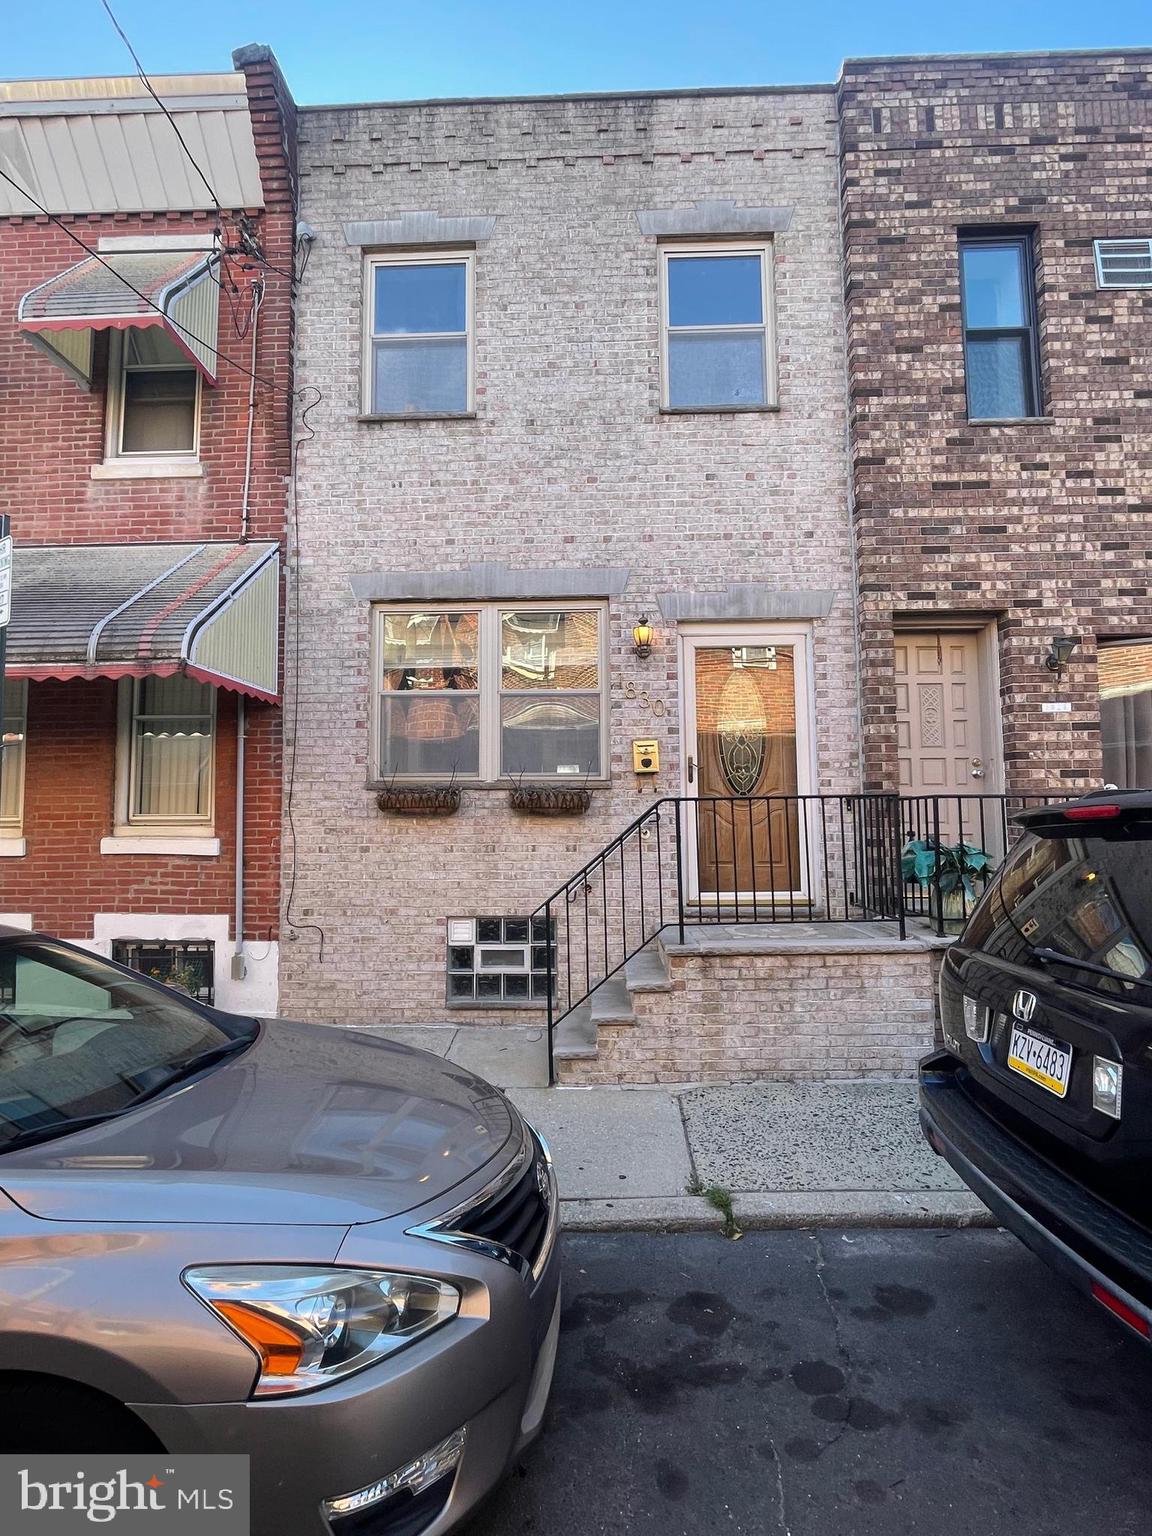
x=568 y=463
x=801 y=1016
x=1043 y=527
x=52 y=435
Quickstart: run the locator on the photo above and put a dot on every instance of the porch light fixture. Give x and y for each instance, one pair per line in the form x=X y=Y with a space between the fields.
x=1060 y=654
x=642 y=638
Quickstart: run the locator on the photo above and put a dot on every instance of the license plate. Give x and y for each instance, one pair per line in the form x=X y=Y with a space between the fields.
x=1047 y=1062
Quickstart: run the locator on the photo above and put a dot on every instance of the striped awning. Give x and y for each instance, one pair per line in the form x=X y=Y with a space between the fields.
x=174 y=290
x=211 y=611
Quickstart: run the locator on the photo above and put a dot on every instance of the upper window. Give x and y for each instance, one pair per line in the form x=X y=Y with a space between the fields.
x=1124 y=263
x=1125 y=675
x=153 y=397
x=717 y=327
x=169 y=752
x=490 y=693
x=418 y=347
x=12 y=757
x=1001 y=356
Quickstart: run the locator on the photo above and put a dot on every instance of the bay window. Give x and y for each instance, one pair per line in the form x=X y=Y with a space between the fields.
x=486 y=693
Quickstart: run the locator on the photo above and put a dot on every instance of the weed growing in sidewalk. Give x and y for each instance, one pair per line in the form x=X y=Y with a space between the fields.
x=721 y=1200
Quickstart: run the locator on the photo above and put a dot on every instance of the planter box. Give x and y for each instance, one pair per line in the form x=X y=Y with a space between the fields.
x=544 y=800
x=419 y=800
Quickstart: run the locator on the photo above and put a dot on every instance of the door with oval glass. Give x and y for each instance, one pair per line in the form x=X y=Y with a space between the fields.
x=747 y=734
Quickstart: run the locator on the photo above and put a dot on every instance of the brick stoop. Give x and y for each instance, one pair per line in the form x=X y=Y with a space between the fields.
x=727 y=1007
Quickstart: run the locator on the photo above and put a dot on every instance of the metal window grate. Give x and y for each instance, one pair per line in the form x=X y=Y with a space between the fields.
x=1124 y=263
x=186 y=965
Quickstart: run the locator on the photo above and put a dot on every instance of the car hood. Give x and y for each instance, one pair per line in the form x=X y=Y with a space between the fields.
x=309 y=1125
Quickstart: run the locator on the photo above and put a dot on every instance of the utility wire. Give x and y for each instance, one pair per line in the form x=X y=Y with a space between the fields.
x=148 y=87
x=249 y=245
x=151 y=303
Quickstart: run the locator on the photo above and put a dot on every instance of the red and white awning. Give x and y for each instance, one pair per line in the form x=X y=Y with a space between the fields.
x=174 y=290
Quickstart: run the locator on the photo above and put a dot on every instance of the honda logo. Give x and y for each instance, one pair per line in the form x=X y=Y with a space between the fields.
x=1024 y=1006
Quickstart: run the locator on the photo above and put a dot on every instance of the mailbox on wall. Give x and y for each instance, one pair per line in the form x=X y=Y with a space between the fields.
x=645 y=757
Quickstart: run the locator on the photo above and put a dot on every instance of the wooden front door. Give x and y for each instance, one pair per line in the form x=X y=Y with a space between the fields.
x=745 y=734
x=939 y=720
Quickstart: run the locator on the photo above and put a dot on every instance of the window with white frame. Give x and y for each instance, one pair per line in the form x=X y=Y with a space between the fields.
x=12 y=757
x=490 y=692
x=718 y=344
x=153 y=397
x=418 y=343
x=167 y=753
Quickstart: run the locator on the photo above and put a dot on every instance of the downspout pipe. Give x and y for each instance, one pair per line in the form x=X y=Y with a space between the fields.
x=239 y=964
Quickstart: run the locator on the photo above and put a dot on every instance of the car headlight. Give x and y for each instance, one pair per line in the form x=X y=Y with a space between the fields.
x=311 y=1326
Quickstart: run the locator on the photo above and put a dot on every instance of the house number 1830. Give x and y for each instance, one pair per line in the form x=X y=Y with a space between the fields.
x=655 y=707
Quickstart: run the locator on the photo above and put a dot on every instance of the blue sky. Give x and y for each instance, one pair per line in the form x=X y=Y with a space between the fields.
x=351 y=50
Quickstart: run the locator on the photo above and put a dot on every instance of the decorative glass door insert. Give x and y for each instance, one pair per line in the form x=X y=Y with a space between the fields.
x=746 y=841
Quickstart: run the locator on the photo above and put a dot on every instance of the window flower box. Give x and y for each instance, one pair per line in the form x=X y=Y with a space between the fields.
x=419 y=800
x=550 y=800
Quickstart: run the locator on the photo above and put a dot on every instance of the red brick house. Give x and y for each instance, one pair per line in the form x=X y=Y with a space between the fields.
x=145 y=454
x=998 y=266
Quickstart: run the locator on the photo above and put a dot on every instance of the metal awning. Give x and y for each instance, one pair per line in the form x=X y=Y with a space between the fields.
x=174 y=290
x=211 y=611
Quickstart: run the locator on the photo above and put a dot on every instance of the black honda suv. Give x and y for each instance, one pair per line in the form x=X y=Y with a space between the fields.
x=1042 y=1101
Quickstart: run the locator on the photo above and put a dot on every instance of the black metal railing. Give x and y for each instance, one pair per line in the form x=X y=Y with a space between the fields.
x=765 y=859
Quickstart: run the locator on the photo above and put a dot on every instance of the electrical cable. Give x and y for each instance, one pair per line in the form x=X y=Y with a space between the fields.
x=148 y=87
x=306 y=426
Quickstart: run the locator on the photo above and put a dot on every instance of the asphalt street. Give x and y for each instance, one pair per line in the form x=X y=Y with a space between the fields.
x=829 y=1384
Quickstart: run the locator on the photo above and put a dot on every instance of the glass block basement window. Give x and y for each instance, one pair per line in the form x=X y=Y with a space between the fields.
x=498 y=962
x=186 y=965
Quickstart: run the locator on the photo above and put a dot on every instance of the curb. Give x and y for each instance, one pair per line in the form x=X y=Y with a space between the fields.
x=764 y=1212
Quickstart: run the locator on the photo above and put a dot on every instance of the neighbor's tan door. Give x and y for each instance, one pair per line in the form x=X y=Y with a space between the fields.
x=939 y=719
x=747 y=727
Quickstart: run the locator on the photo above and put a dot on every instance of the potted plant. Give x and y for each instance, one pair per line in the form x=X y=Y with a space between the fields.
x=550 y=800
x=949 y=872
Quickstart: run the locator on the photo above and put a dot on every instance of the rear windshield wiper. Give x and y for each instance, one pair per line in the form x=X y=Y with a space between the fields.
x=185 y=1069
x=1057 y=957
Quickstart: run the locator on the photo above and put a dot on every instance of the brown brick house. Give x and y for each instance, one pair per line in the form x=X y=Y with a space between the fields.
x=998 y=269
x=145 y=473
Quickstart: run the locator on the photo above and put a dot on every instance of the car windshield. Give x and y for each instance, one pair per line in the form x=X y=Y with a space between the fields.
x=81 y=1040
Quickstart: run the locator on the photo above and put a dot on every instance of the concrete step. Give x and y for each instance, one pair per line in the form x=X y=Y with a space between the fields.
x=648 y=971
x=575 y=1037
x=611 y=1003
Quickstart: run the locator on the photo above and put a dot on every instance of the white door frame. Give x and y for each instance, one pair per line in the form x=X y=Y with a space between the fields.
x=694 y=637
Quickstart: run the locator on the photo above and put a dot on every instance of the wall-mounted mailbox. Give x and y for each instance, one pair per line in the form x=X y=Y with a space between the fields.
x=645 y=757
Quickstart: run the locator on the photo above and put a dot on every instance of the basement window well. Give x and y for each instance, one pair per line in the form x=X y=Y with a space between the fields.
x=497 y=962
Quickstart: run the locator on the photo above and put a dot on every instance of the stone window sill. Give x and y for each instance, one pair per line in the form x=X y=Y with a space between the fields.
x=373 y=419
x=200 y=847
x=147 y=469
x=1011 y=421
x=13 y=847
x=719 y=410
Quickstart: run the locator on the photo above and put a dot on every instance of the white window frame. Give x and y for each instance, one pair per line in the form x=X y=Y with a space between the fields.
x=1106 y=251
x=114 y=451
x=372 y=264
x=489 y=692
x=127 y=824
x=13 y=826
x=764 y=249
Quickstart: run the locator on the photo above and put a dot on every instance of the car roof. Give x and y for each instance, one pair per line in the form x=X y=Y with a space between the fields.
x=7 y=932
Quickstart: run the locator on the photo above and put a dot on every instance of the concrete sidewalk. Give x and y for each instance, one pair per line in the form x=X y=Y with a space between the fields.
x=789 y=1154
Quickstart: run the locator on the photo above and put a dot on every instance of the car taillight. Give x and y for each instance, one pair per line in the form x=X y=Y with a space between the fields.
x=1120 y=1308
x=1107 y=1086
x=1091 y=812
